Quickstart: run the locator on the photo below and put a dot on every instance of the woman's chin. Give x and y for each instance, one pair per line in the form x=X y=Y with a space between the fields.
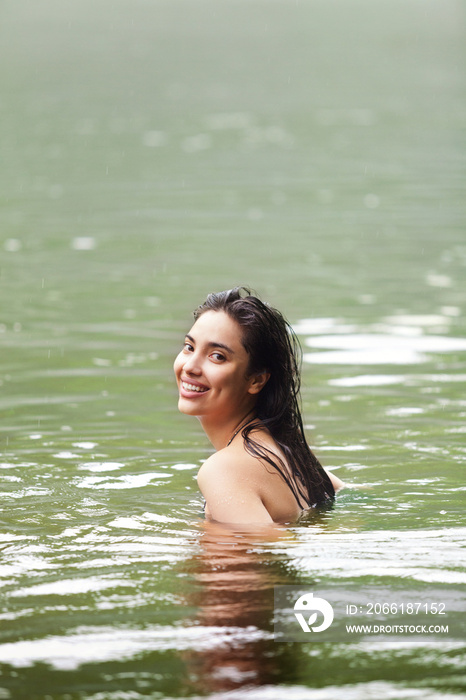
x=187 y=406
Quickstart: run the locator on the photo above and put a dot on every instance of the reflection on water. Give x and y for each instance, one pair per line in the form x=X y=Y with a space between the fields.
x=396 y=340
x=235 y=589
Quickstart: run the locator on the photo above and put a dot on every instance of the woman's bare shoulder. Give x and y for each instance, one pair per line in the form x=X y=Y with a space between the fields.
x=231 y=461
x=230 y=488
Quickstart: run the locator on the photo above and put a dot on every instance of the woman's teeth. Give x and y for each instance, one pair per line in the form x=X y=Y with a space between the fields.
x=192 y=387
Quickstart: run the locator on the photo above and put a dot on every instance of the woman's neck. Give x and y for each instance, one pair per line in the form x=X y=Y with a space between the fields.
x=223 y=435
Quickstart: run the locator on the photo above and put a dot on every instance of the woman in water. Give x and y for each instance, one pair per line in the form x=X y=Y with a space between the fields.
x=238 y=372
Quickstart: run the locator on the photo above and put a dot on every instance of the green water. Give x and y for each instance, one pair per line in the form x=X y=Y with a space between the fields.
x=151 y=152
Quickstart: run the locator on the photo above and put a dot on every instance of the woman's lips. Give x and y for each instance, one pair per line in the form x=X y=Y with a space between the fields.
x=190 y=388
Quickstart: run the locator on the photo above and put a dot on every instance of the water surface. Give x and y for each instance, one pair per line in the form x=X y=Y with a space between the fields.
x=153 y=152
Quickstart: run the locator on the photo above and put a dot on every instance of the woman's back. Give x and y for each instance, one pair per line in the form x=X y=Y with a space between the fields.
x=241 y=488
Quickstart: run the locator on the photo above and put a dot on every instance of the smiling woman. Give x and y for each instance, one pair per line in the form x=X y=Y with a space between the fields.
x=238 y=373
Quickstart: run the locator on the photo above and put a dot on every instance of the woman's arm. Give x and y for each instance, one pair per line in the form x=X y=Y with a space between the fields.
x=337 y=483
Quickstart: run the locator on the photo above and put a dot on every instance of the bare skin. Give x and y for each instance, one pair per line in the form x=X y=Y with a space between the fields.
x=214 y=385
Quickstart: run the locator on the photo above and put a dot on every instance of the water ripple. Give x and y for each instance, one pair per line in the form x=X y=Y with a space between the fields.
x=129 y=481
x=88 y=645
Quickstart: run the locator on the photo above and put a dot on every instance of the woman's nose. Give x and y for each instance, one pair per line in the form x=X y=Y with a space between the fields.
x=191 y=366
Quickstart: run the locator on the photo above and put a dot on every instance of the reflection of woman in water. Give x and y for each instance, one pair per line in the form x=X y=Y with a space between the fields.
x=238 y=372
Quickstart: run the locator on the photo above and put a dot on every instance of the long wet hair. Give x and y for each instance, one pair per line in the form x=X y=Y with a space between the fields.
x=273 y=347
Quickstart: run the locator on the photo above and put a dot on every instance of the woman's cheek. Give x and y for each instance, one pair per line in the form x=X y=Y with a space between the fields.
x=177 y=364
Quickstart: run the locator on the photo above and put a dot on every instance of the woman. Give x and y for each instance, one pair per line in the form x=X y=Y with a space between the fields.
x=238 y=373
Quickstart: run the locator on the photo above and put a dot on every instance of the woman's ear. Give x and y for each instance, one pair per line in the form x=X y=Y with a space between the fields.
x=258 y=381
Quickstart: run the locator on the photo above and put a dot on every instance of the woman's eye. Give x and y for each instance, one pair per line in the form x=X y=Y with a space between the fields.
x=218 y=356
x=188 y=347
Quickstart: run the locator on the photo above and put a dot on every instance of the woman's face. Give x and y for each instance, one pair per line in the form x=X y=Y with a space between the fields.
x=212 y=370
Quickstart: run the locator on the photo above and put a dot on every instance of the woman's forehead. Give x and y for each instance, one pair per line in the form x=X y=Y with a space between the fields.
x=217 y=326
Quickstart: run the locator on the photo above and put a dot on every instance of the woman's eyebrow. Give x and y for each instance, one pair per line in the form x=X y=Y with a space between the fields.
x=212 y=344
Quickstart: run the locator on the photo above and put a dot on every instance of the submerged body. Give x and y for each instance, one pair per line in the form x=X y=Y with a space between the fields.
x=254 y=477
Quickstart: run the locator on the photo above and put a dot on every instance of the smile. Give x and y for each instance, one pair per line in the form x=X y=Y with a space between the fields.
x=193 y=387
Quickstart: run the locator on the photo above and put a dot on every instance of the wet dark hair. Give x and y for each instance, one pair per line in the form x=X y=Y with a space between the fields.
x=272 y=346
